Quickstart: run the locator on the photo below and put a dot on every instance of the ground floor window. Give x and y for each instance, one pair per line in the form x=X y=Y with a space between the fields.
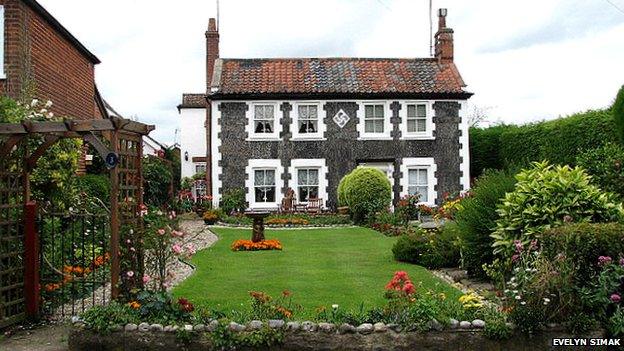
x=418 y=183
x=307 y=184
x=264 y=185
x=200 y=168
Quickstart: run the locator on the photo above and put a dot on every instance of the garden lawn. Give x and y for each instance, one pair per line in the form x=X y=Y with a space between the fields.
x=321 y=267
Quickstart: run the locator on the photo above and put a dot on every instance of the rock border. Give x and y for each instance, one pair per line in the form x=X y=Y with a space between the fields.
x=309 y=335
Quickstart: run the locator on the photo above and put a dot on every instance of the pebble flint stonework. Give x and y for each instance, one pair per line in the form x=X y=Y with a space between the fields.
x=303 y=123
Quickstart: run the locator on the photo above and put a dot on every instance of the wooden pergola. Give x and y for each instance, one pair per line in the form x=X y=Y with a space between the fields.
x=17 y=212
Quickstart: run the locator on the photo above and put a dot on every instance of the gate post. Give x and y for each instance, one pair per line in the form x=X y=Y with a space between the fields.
x=31 y=260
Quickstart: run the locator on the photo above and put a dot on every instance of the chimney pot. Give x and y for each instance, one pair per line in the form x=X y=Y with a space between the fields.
x=443 y=39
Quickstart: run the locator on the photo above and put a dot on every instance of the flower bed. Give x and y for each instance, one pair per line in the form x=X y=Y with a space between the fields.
x=291 y=220
x=248 y=245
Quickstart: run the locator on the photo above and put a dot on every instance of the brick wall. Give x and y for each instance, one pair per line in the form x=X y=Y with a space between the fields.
x=39 y=59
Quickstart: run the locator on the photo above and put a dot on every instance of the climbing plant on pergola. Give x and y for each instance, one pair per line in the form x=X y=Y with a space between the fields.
x=19 y=286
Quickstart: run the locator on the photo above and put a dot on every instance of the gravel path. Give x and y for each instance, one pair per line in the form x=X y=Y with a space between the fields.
x=201 y=237
x=197 y=233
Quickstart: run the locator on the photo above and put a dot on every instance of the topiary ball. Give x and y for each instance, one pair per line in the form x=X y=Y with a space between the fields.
x=366 y=191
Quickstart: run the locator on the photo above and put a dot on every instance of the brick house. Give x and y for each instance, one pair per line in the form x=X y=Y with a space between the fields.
x=303 y=123
x=43 y=59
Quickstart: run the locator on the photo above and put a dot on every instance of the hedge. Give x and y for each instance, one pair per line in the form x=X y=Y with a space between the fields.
x=558 y=141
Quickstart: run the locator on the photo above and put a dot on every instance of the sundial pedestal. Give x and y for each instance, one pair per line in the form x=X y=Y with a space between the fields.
x=257 y=234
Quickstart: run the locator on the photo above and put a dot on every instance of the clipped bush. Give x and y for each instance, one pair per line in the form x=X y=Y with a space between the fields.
x=95 y=185
x=581 y=244
x=618 y=113
x=558 y=141
x=485 y=149
x=476 y=219
x=366 y=191
x=430 y=249
x=233 y=200
x=546 y=196
x=606 y=166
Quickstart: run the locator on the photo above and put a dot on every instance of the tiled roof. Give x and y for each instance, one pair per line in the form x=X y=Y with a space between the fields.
x=193 y=101
x=374 y=76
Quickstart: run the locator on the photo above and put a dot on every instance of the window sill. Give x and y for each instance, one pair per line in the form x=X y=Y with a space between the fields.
x=375 y=137
x=269 y=138
x=308 y=138
x=418 y=137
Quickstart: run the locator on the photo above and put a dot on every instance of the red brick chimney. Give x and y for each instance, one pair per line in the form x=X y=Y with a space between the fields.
x=443 y=40
x=212 y=50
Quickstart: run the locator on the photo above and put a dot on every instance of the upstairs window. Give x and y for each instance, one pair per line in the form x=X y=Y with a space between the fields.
x=307 y=119
x=264 y=119
x=374 y=119
x=416 y=118
x=264 y=185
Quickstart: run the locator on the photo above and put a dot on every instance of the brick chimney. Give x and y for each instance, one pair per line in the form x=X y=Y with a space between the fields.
x=212 y=50
x=443 y=40
x=212 y=54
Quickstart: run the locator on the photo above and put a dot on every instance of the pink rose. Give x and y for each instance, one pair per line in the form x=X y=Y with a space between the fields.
x=622 y=261
x=130 y=274
x=177 y=249
x=161 y=231
x=146 y=279
x=615 y=298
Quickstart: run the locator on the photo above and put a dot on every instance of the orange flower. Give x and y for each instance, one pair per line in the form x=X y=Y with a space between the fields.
x=134 y=305
x=248 y=245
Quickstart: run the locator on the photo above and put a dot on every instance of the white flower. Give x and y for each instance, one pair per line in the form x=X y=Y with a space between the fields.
x=523 y=303
x=335 y=306
x=34 y=102
x=546 y=299
x=518 y=297
x=48 y=104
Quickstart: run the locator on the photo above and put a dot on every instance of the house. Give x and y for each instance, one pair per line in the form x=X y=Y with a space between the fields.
x=42 y=59
x=303 y=123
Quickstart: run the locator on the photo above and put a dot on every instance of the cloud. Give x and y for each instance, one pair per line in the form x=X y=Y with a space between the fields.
x=527 y=60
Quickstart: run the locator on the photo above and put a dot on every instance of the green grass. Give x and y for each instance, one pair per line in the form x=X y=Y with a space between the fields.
x=321 y=267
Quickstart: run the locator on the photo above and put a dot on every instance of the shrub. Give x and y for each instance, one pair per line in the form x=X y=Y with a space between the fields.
x=366 y=192
x=546 y=197
x=430 y=249
x=558 y=141
x=485 y=146
x=618 y=113
x=157 y=181
x=407 y=208
x=233 y=200
x=581 y=244
x=606 y=166
x=212 y=216
x=104 y=319
x=95 y=185
x=477 y=219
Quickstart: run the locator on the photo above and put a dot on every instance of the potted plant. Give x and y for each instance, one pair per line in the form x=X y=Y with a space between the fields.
x=211 y=216
x=425 y=213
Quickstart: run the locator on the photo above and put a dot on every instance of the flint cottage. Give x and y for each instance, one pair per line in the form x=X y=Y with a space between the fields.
x=270 y=125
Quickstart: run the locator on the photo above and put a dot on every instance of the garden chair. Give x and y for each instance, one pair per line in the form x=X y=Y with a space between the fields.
x=288 y=201
x=314 y=205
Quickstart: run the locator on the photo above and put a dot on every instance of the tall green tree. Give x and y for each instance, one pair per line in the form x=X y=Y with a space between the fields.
x=618 y=113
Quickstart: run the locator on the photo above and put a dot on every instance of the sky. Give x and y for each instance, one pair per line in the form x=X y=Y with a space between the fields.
x=525 y=60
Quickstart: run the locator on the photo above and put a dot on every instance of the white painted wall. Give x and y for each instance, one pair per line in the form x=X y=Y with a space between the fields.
x=192 y=137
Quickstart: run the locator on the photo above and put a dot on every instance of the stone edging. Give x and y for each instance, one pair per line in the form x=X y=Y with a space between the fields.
x=312 y=336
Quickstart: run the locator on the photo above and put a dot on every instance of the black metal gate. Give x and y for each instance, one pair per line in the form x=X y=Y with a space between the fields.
x=74 y=261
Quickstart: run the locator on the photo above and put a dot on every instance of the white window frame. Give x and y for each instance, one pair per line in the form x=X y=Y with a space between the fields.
x=251 y=127
x=199 y=165
x=320 y=130
x=427 y=163
x=2 y=39
x=310 y=163
x=258 y=164
x=361 y=126
x=428 y=133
